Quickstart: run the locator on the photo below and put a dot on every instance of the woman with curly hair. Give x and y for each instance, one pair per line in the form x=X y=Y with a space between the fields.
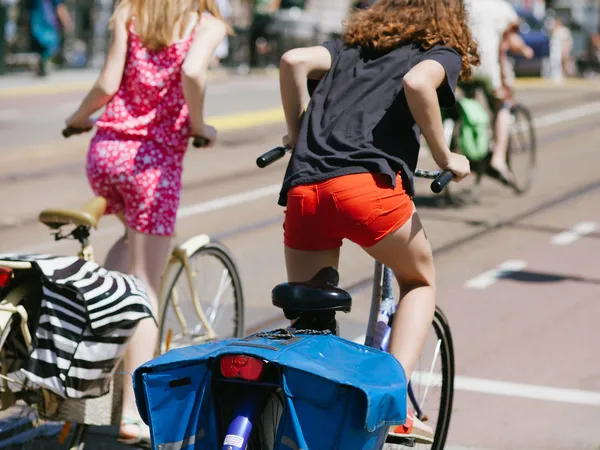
x=356 y=146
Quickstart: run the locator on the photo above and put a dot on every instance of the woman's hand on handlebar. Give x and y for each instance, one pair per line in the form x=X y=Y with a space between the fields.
x=289 y=141
x=78 y=124
x=459 y=165
x=207 y=133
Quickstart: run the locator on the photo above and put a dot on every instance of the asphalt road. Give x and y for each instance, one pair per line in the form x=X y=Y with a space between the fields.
x=518 y=276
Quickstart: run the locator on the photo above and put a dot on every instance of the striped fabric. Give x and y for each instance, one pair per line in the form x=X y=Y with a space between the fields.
x=87 y=316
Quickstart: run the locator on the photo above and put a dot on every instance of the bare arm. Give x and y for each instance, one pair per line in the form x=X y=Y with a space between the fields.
x=515 y=43
x=109 y=80
x=65 y=18
x=296 y=66
x=209 y=34
x=420 y=88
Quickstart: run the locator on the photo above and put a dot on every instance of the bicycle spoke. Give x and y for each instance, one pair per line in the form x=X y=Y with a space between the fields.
x=435 y=358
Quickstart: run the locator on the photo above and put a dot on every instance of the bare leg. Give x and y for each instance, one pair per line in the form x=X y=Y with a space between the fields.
x=148 y=256
x=502 y=130
x=408 y=253
x=118 y=256
x=302 y=265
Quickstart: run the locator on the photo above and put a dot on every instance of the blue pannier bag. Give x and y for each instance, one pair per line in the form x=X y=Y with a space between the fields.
x=336 y=394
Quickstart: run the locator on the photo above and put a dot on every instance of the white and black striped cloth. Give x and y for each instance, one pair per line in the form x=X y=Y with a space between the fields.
x=87 y=316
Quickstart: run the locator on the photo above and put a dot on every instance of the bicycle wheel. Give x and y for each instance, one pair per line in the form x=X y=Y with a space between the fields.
x=217 y=283
x=521 y=153
x=264 y=432
x=431 y=389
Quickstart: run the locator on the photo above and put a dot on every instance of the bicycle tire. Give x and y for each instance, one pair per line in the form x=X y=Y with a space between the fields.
x=264 y=433
x=440 y=324
x=530 y=149
x=219 y=251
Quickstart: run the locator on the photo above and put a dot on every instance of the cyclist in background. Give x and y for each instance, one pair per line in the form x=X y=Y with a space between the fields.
x=153 y=86
x=495 y=25
x=357 y=144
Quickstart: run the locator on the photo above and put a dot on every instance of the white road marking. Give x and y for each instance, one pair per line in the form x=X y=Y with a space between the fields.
x=530 y=391
x=570 y=236
x=568 y=114
x=230 y=200
x=510 y=389
x=488 y=278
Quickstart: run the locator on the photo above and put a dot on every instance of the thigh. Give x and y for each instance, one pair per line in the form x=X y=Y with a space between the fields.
x=101 y=169
x=408 y=253
x=148 y=257
x=302 y=265
x=151 y=197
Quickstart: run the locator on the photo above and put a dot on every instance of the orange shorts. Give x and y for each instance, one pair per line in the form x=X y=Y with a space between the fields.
x=363 y=208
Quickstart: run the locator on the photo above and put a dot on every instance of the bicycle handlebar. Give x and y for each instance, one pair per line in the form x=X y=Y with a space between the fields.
x=271 y=156
x=200 y=141
x=441 y=178
x=71 y=131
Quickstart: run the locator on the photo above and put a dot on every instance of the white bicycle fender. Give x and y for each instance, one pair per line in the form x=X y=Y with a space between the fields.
x=195 y=243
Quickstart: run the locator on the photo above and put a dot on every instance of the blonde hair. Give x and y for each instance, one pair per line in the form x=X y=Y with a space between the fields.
x=156 y=21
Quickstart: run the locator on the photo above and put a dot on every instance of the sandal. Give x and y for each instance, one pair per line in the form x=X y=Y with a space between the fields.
x=412 y=429
x=139 y=441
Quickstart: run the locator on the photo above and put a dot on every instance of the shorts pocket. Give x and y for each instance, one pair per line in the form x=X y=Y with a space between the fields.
x=295 y=205
x=359 y=205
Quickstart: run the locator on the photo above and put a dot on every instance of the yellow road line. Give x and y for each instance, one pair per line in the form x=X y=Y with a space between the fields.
x=63 y=87
x=245 y=120
x=43 y=89
x=543 y=83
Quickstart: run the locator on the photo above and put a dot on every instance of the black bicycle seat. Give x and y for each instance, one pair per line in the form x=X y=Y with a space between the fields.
x=317 y=295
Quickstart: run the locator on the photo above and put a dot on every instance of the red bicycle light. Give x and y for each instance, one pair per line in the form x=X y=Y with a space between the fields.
x=240 y=366
x=5 y=276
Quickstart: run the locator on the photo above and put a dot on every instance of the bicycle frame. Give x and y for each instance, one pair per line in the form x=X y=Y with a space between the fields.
x=181 y=254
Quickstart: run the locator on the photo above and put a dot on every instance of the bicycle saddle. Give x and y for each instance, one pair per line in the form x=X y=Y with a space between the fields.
x=316 y=295
x=88 y=216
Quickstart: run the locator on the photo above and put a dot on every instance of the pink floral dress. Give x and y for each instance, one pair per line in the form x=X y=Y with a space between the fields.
x=135 y=159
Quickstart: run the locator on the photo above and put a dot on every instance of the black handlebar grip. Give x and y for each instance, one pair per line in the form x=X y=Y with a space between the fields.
x=441 y=181
x=200 y=141
x=70 y=131
x=270 y=157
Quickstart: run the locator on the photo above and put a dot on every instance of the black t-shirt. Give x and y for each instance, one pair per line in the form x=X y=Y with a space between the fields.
x=358 y=119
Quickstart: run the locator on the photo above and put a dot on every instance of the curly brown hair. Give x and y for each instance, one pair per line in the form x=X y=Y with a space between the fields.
x=389 y=24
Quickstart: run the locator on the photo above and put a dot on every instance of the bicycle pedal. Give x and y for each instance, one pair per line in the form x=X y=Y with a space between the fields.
x=404 y=441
